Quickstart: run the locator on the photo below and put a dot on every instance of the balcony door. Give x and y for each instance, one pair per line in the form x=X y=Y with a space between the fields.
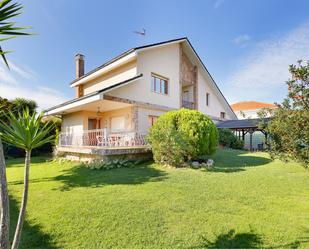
x=185 y=96
x=93 y=123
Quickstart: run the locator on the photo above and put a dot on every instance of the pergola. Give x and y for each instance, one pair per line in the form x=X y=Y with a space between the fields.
x=243 y=126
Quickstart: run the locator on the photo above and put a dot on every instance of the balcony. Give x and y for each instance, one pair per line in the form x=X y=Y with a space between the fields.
x=102 y=138
x=188 y=104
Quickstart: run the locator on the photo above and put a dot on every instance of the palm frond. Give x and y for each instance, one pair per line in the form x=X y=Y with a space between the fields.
x=25 y=130
x=7 y=11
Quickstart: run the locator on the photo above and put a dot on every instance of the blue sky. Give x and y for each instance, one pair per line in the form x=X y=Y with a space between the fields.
x=246 y=45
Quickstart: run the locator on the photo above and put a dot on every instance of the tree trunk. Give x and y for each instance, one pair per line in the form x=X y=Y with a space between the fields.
x=22 y=211
x=4 y=204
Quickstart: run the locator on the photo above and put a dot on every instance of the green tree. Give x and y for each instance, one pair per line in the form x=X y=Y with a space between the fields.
x=289 y=128
x=182 y=135
x=21 y=104
x=26 y=132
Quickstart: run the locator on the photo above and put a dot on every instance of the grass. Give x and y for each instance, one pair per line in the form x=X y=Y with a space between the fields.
x=246 y=201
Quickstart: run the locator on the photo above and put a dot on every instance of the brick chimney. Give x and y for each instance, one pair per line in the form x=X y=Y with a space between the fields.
x=80 y=71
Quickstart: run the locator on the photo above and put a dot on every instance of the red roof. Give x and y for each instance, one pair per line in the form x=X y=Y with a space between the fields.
x=251 y=105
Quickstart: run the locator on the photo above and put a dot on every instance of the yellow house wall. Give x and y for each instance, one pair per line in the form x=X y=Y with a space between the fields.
x=215 y=106
x=117 y=75
x=78 y=121
x=73 y=122
x=143 y=115
x=163 y=61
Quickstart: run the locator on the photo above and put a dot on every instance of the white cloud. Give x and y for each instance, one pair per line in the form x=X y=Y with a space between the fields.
x=263 y=73
x=218 y=3
x=241 y=39
x=13 y=84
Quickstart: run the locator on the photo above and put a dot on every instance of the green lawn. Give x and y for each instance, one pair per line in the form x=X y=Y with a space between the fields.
x=246 y=201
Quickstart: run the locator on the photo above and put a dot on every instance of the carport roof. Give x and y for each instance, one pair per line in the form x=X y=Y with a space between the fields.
x=240 y=123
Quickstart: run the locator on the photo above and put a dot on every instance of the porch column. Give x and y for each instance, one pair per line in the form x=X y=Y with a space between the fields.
x=135 y=118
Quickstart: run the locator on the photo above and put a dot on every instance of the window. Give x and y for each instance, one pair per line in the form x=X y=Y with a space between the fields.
x=159 y=84
x=117 y=123
x=222 y=115
x=152 y=120
x=207 y=99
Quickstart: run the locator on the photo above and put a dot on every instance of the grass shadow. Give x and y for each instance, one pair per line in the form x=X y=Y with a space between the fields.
x=32 y=235
x=231 y=239
x=80 y=176
x=230 y=161
x=19 y=162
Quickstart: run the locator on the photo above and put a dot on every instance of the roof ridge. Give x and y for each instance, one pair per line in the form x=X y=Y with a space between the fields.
x=125 y=53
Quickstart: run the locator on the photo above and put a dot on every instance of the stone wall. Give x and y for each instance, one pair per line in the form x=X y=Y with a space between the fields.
x=188 y=76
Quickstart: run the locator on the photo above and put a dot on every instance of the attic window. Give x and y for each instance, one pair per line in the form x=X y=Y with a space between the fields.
x=159 y=84
x=222 y=115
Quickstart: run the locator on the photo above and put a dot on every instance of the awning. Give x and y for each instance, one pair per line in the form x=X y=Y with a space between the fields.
x=90 y=100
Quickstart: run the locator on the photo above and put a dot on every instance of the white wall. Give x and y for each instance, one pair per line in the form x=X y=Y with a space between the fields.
x=249 y=114
x=118 y=75
x=72 y=122
x=143 y=114
x=163 y=61
x=215 y=105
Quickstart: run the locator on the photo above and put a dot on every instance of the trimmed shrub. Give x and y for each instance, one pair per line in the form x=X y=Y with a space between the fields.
x=182 y=135
x=228 y=139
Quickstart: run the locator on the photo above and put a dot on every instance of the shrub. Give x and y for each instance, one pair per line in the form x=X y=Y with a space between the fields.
x=106 y=165
x=228 y=139
x=182 y=135
x=113 y=164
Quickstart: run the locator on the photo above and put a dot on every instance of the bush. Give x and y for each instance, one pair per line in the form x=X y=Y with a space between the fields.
x=182 y=135
x=113 y=164
x=228 y=139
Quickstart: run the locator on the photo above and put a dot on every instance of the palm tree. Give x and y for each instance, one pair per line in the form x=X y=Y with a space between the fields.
x=4 y=197
x=20 y=104
x=25 y=131
x=8 y=29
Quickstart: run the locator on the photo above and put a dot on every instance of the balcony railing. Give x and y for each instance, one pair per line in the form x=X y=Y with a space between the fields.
x=188 y=104
x=101 y=138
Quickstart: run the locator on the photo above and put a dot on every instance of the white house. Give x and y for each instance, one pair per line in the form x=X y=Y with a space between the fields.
x=250 y=109
x=117 y=102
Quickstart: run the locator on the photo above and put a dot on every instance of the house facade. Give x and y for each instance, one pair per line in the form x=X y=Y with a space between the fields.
x=119 y=101
x=250 y=109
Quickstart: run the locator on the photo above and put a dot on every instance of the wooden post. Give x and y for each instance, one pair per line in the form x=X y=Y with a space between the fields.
x=251 y=132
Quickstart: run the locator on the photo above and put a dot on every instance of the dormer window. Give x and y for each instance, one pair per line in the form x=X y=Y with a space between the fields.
x=159 y=84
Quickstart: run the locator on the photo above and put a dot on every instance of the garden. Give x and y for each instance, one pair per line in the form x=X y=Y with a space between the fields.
x=246 y=200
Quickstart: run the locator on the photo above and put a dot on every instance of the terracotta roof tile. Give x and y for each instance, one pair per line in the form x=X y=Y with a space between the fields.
x=251 y=105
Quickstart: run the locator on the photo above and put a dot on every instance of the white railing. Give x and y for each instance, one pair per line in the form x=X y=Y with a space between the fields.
x=188 y=104
x=101 y=138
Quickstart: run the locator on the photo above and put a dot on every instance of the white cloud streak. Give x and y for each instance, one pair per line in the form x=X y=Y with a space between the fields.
x=241 y=39
x=263 y=73
x=218 y=3
x=11 y=86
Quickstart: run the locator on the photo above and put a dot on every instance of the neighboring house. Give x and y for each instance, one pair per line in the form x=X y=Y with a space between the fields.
x=250 y=109
x=119 y=101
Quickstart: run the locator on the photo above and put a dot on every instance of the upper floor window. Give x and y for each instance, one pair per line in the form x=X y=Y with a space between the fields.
x=159 y=84
x=207 y=99
x=222 y=115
